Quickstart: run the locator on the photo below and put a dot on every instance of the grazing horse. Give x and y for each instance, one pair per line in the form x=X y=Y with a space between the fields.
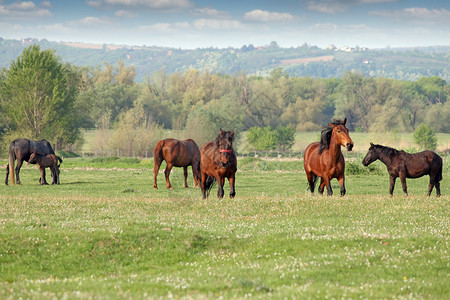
x=177 y=154
x=407 y=165
x=49 y=161
x=218 y=161
x=21 y=150
x=324 y=159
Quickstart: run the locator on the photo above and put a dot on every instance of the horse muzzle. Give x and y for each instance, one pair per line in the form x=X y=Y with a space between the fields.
x=349 y=146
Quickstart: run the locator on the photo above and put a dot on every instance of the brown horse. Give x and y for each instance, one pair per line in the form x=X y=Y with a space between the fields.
x=177 y=154
x=406 y=165
x=324 y=159
x=49 y=161
x=218 y=161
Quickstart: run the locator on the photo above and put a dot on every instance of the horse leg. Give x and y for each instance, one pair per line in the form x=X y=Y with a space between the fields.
x=403 y=181
x=167 y=173
x=392 y=184
x=157 y=165
x=43 y=181
x=342 y=183
x=232 y=190
x=196 y=174
x=220 y=182
x=202 y=184
x=7 y=174
x=434 y=182
x=437 y=184
x=311 y=180
x=327 y=182
x=19 y=165
x=431 y=185
x=185 y=176
x=321 y=186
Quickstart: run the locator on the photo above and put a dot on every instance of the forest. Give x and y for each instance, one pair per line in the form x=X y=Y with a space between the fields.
x=302 y=61
x=42 y=96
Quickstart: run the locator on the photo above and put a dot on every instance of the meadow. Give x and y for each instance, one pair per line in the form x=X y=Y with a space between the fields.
x=105 y=233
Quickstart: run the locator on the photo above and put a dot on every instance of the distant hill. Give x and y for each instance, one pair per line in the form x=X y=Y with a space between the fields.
x=398 y=63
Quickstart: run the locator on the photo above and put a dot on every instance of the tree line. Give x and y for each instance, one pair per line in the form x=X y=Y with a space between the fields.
x=43 y=97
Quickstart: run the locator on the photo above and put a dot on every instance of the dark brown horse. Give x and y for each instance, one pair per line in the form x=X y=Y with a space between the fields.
x=21 y=150
x=218 y=162
x=176 y=154
x=49 y=161
x=407 y=165
x=324 y=159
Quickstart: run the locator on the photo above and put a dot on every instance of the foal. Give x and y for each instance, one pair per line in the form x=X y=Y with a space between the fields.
x=50 y=161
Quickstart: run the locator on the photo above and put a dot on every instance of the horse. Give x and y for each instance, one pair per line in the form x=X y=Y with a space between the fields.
x=21 y=150
x=49 y=161
x=218 y=161
x=324 y=159
x=407 y=165
x=177 y=154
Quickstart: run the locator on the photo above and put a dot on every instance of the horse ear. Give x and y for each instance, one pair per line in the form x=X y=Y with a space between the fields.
x=371 y=144
x=232 y=133
x=345 y=121
x=331 y=125
x=220 y=131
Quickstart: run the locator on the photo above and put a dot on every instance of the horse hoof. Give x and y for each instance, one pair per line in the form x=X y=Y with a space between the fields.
x=155 y=187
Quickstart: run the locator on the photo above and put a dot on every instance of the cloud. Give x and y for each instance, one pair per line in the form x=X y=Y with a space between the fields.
x=415 y=14
x=217 y=24
x=166 y=27
x=211 y=13
x=258 y=15
x=25 y=10
x=55 y=28
x=125 y=14
x=152 y=4
x=339 y=6
x=92 y=21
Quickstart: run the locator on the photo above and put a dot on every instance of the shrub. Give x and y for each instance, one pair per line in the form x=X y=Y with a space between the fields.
x=425 y=137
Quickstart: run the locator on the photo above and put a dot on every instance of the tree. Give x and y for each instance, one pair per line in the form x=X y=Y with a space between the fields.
x=285 y=137
x=262 y=138
x=425 y=137
x=37 y=95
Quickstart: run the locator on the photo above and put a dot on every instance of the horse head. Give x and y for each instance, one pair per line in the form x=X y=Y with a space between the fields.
x=224 y=142
x=341 y=134
x=32 y=159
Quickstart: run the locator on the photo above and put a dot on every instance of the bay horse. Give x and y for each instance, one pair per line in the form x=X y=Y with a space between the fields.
x=324 y=159
x=407 y=165
x=48 y=161
x=176 y=153
x=218 y=161
x=21 y=150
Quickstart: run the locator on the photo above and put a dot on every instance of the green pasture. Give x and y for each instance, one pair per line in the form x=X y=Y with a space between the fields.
x=106 y=233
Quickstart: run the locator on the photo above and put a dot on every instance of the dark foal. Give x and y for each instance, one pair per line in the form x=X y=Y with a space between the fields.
x=407 y=165
x=49 y=161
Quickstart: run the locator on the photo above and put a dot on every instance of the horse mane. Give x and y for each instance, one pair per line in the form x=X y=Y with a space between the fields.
x=388 y=151
x=325 y=137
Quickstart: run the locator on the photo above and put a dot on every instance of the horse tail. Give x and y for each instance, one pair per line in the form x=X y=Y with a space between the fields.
x=439 y=175
x=59 y=158
x=12 y=159
x=157 y=153
x=209 y=183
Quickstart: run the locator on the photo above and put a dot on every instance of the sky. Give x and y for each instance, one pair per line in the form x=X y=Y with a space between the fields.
x=190 y=24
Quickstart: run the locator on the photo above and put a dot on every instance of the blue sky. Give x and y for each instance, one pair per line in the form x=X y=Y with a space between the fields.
x=223 y=23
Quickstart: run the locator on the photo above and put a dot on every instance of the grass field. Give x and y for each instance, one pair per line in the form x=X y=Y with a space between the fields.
x=106 y=233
